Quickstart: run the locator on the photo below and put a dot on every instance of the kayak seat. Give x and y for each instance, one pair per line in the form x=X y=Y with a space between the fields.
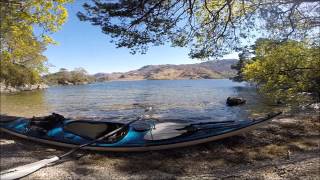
x=87 y=129
x=95 y=129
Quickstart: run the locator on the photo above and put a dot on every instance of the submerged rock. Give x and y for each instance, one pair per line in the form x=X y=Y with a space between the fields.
x=235 y=101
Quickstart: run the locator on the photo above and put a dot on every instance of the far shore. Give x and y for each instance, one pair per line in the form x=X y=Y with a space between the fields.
x=9 y=89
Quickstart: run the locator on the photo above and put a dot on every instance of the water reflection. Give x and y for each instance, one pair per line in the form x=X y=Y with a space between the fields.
x=256 y=104
x=186 y=100
x=26 y=104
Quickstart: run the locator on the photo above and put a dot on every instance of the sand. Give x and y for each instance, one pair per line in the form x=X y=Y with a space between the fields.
x=287 y=148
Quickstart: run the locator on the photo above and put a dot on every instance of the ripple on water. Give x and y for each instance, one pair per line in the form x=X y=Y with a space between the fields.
x=188 y=100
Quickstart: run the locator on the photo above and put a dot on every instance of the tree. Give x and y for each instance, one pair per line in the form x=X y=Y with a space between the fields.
x=65 y=77
x=20 y=18
x=79 y=75
x=244 y=57
x=20 y=45
x=285 y=70
x=210 y=28
x=16 y=75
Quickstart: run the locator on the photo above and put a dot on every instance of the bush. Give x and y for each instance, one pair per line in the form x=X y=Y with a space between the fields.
x=285 y=70
x=77 y=76
x=17 y=75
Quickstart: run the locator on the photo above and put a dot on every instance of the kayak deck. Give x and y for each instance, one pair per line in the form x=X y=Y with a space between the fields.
x=71 y=133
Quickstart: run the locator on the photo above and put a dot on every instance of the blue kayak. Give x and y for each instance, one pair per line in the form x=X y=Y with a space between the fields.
x=139 y=136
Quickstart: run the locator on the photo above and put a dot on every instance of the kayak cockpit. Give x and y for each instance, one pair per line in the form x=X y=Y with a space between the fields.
x=94 y=129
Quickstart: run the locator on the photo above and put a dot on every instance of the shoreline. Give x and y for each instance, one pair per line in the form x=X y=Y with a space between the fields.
x=26 y=87
x=287 y=147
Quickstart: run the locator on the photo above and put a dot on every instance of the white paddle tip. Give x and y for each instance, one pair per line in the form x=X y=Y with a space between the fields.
x=22 y=171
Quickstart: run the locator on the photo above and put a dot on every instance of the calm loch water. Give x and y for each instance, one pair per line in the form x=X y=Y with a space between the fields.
x=185 y=100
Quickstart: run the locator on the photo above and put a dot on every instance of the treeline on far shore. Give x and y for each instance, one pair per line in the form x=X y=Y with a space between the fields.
x=17 y=77
x=65 y=77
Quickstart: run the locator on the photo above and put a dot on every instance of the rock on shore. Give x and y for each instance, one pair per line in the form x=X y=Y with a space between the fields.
x=235 y=101
x=67 y=83
x=26 y=87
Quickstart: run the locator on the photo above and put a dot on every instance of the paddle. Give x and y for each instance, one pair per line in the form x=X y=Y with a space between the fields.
x=22 y=171
x=169 y=130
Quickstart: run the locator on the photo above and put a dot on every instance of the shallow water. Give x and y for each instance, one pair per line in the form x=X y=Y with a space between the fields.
x=185 y=100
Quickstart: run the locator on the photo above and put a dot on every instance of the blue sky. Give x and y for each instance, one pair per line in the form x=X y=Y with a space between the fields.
x=82 y=45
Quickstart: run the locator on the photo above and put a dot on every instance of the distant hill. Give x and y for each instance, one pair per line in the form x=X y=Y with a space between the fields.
x=205 y=70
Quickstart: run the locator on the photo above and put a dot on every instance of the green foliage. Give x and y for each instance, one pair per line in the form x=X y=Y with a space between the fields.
x=19 y=44
x=17 y=75
x=20 y=18
x=65 y=77
x=244 y=57
x=209 y=28
x=285 y=70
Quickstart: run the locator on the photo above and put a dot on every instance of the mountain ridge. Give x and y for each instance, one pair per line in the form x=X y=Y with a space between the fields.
x=216 y=69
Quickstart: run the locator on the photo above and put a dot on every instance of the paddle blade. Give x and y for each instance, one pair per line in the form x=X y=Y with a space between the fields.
x=21 y=171
x=166 y=130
